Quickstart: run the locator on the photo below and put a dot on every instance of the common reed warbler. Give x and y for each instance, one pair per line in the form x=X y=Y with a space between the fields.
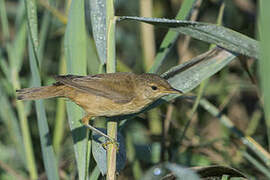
x=107 y=95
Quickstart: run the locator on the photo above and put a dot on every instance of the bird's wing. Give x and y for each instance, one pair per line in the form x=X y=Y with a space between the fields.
x=106 y=85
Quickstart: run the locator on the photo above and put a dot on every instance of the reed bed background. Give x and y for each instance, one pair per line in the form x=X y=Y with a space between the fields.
x=223 y=122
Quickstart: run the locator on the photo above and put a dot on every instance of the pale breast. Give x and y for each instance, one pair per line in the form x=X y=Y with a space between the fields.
x=101 y=106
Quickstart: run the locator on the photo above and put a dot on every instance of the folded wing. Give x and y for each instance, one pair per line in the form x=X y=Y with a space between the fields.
x=110 y=86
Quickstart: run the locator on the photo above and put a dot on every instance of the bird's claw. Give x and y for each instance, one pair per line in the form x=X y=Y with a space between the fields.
x=113 y=142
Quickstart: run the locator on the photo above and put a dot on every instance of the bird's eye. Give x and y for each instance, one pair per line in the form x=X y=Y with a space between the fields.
x=154 y=87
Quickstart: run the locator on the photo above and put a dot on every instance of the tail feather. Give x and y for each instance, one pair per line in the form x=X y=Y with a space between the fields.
x=40 y=92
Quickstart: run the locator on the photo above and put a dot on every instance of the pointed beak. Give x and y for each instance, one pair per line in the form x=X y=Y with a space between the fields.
x=172 y=91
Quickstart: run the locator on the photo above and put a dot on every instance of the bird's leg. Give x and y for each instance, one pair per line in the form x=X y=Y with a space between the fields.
x=85 y=121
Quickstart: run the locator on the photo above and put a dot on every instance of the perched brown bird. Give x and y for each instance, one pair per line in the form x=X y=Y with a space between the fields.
x=106 y=95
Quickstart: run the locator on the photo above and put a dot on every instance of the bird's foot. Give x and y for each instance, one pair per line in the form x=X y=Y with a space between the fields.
x=111 y=141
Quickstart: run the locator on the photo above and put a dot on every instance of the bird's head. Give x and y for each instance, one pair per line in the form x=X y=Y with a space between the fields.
x=152 y=86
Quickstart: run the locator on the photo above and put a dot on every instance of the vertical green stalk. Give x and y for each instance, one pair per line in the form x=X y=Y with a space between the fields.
x=4 y=20
x=75 y=43
x=111 y=66
x=30 y=158
x=147 y=34
x=110 y=23
x=60 y=114
x=264 y=63
x=45 y=140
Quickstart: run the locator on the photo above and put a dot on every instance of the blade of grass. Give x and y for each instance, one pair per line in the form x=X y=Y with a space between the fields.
x=45 y=139
x=4 y=20
x=26 y=134
x=59 y=125
x=32 y=24
x=264 y=64
x=95 y=23
x=98 y=17
x=60 y=114
x=75 y=44
x=190 y=74
x=60 y=109
x=211 y=33
x=19 y=45
x=4 y=66
x=257 y=164
x=94 y=63
x=95 y=174
x=45 y=23
x=29 y=153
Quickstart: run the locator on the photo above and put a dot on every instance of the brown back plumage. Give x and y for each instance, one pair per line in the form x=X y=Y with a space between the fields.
x=111 y=86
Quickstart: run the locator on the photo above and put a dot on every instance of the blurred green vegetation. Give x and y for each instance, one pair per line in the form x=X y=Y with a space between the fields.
x=151 y=137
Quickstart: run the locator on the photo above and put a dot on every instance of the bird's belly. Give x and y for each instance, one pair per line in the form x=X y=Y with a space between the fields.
x=100 y=106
